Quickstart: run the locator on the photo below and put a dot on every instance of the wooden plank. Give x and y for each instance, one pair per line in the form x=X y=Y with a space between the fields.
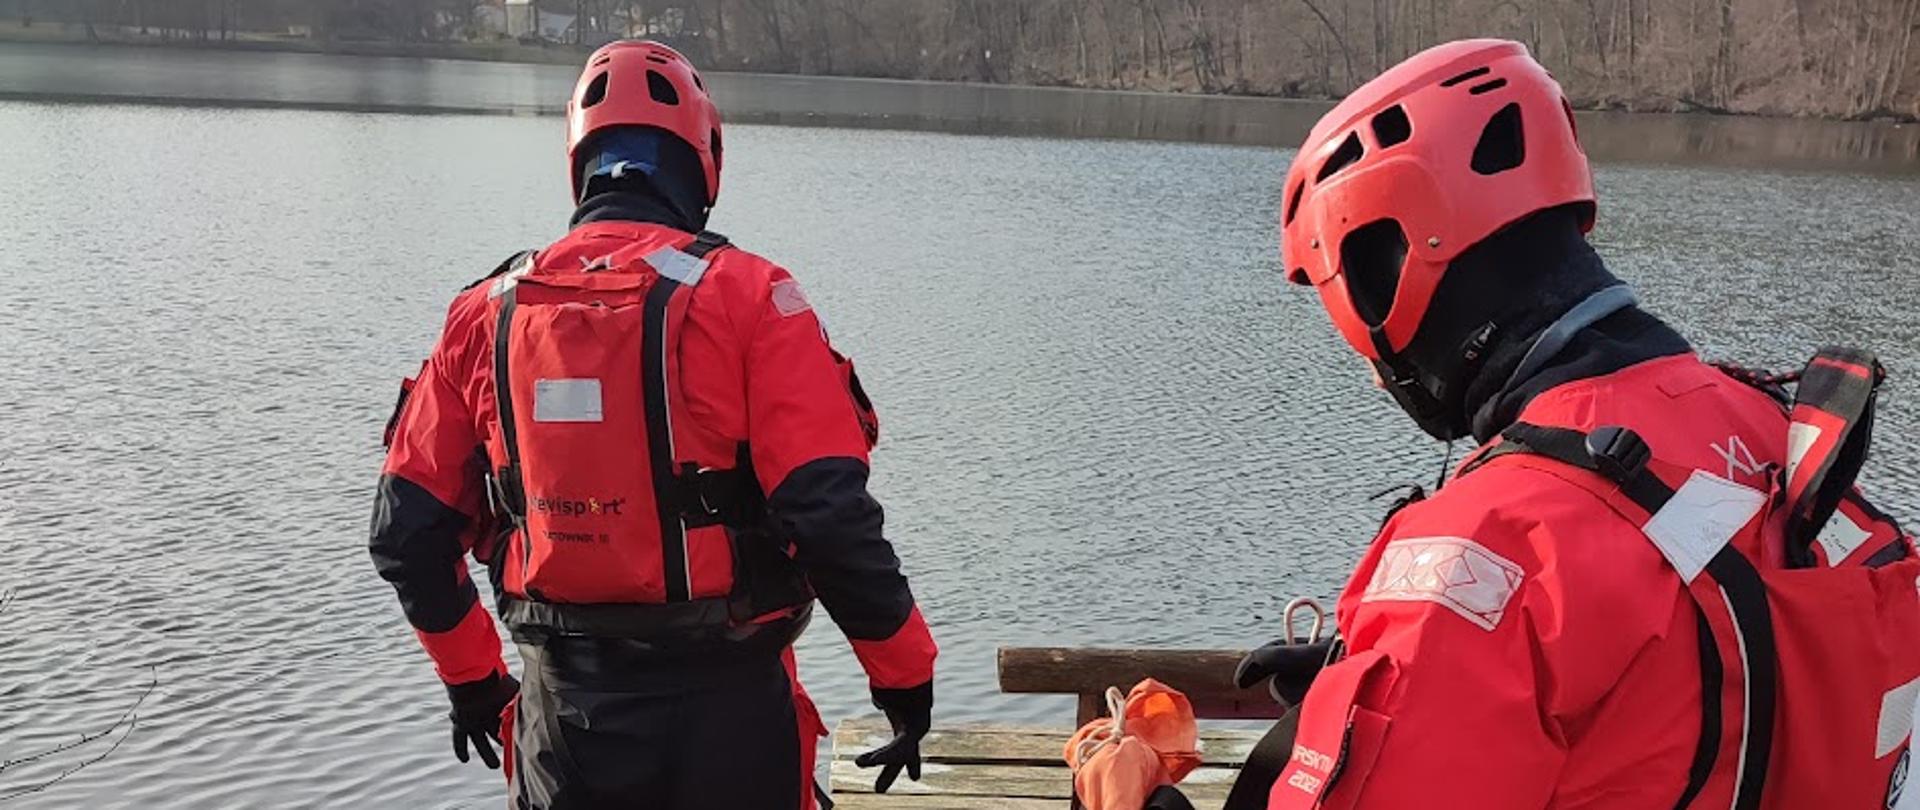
x=1011 y=781
x=1028 y=746
x=900 y=801
x=1206 y=676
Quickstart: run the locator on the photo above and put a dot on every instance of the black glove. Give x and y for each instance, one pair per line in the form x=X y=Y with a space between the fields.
x=910 y=711
x=1291 y=667
x=476 y=714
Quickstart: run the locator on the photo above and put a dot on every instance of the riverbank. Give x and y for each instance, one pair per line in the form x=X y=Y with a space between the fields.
x=208 y=77
x=257 y=41
x=517 y=52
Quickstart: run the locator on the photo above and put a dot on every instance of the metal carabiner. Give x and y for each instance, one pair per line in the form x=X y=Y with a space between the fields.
x=1319 y=618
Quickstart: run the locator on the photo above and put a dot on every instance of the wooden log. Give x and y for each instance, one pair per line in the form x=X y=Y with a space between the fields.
x=1206 y=676
x=984 y=744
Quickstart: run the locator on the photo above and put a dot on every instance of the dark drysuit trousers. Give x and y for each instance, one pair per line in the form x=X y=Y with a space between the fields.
x=607 y=724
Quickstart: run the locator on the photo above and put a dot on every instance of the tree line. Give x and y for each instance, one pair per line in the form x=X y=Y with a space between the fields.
x=1837 y=58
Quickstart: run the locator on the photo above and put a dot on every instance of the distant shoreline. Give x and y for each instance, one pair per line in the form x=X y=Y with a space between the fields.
x=504 y=51
x=507 y=51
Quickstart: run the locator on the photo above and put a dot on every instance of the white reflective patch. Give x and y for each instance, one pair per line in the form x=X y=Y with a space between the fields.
x=1800 y=438
x=677 y=265
x=1841 y=537
x=788 y=299
x=1896 y=717
x=1705 y=513
x=522 y=265
x=1458 y=573
x=566 y=400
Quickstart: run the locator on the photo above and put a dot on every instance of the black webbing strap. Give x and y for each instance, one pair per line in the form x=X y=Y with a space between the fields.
x=510 y=265
x=1841 y=383
x=729 y=497
x=704 y=243
x=508 y=494
x=678 y=492
x=820 y=797
x=1746 y=597
x=1269 y=757
x=1621 y=456
x=653 y=388
x=1713 y=675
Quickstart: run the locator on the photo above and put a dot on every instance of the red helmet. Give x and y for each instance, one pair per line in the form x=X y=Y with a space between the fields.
x=647 y=84
x=1447 y=148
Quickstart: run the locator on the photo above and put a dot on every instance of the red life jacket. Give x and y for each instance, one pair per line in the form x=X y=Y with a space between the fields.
x=594 y=465
x=1806 y=595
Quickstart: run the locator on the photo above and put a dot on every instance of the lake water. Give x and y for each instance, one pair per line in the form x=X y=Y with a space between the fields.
x=1107 y=419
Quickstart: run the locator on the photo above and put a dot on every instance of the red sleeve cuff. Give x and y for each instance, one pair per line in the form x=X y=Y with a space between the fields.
x=902 y=660
x=467 y=653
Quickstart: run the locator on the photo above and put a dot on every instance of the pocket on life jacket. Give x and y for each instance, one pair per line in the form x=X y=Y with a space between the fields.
x=1337 y=744
x=1849 y=657
x=582 y=432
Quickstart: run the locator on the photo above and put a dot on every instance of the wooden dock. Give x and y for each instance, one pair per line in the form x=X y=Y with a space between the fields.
x=999 y=768
x=988 y=768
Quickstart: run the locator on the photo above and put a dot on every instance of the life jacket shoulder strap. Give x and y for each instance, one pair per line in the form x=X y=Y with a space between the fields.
x=1731 y=588
x=706 y=242
x=513 y=267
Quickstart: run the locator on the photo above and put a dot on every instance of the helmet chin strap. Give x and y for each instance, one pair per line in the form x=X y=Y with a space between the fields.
x=1431 y=399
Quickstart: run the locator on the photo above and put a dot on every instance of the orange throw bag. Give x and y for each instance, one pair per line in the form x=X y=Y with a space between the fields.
x=1149 y=740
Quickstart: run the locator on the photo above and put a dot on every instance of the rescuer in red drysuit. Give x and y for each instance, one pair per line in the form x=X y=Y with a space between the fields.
x=1606 y=606
x=681 y=470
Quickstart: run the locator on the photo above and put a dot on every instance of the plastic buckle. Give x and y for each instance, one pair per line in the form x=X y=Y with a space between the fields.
x=693 y=479
x=1618 y=453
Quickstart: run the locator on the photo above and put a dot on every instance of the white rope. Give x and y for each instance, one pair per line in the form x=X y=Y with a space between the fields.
x=1104 y=736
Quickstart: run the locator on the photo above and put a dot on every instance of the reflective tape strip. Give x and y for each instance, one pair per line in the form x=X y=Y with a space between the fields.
x=522 y=265
x=677 y=265
x=566 y=400
x=1746 y=701
x=1896 y=717
x=1800 y=439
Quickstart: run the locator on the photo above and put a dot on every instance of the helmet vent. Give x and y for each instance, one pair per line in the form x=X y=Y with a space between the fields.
x=1574 y=127
x=661 y=89
x=697 y=83
x=1487 y=87
x=1391 y=126
x=1293 y=203
x=1370 y=257
x=1467 y=76
x=1348 y=154
x=596 y=91
x=656 y=59
x=1503 y=142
